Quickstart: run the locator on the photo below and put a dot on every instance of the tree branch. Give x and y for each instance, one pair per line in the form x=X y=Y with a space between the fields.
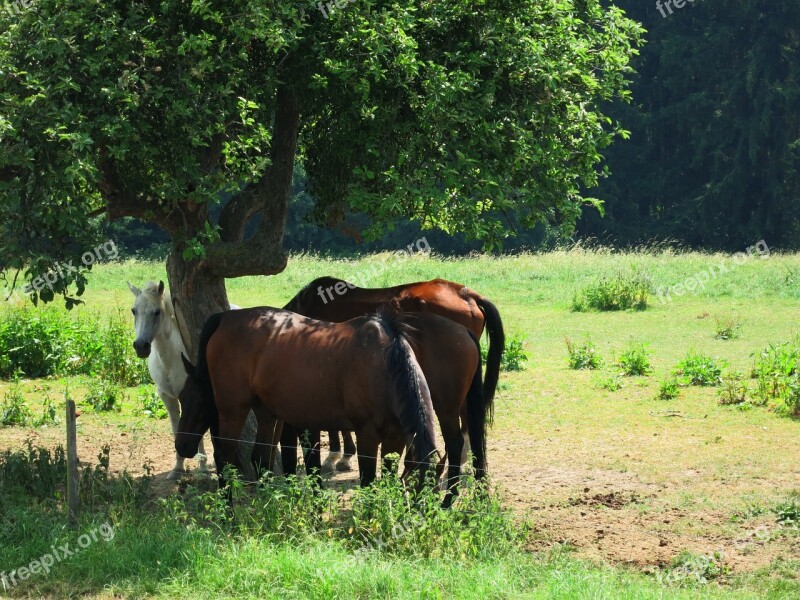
x=121 y=203
x=238 y=210
x=262 y=254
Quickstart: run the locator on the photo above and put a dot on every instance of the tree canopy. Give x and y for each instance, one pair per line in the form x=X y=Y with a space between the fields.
x=460 y=115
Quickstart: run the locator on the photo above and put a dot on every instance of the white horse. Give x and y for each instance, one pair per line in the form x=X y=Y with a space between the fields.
x=158 y=339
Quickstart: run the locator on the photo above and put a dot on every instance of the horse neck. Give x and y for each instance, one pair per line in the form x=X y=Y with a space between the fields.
x=168 y=342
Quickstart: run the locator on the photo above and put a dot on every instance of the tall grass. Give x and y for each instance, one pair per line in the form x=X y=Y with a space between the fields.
x=46 y=342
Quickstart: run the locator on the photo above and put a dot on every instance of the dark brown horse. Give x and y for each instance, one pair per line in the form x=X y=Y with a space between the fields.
x=361 y=375
x=332 y=299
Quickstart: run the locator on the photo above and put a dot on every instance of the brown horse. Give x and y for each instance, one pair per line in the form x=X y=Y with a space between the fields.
x=449 y=356
x=332 y=299
x=361 y=375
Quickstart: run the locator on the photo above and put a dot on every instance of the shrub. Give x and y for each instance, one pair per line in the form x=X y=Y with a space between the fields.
x=698 y=369
x=777 y=372
x=386 y=520
x=622 y=291
x=634 y=360
x=33 y=343
x=688 y=567
x=668 y=390
x=788 y=512
x=34 y=473
x=104 y=395
x=583 y=357
x=117 y=360
x=514 y=355
x=150 y=404
x=48 y=416
x=44 y=342
x=727 y=328
x=13 y=410
x=734 y=389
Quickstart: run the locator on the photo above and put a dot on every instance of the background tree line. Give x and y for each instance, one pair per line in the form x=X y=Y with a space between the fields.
x=714 y=153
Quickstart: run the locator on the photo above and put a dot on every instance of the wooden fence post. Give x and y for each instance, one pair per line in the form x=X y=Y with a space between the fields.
x=73 y=500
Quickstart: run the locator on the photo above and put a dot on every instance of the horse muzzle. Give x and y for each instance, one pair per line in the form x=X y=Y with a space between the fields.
x=142 y=348
x=187 y=448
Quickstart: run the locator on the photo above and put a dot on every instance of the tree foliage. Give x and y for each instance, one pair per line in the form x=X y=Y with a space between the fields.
x=466 y=116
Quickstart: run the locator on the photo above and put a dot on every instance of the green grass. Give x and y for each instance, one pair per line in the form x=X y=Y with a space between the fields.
x=691 y=454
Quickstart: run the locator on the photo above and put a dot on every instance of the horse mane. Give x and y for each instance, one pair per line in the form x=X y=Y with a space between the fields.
x=413 y=398
x=308 y=295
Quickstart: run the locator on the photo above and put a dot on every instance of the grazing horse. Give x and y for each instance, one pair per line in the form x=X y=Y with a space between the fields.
x=158 y=339
x=450 y=359
x=361 y=375
x=332 y=299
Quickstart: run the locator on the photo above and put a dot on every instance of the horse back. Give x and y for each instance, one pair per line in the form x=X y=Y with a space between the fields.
x=307 y=372
x=321 y=300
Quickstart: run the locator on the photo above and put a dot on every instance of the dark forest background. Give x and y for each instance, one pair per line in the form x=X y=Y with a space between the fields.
x=713 y=159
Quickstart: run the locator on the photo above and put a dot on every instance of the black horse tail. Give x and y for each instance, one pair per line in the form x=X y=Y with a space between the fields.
x=476 y=417
x=412 y=404
x=497 y=342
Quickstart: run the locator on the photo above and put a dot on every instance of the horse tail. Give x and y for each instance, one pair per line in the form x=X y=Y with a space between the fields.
x=412 y=403
x=476 y=416
x=497 y=342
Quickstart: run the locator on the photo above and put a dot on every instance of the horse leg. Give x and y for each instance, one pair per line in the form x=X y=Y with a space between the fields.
x=174 y=409
x=343 y=464
x=289 y=444
x=453 y=444
x=264 y=448
x=202 y=458
x=226 y=442
x=334 y=452
x=312 y=455
x=368 y=442
x=465 y=434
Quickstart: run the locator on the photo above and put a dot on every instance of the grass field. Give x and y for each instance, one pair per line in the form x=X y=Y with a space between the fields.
x=625 y=495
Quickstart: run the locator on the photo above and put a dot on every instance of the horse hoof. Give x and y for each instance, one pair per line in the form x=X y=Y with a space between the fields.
x=329 y=464
x=343 y=465
x=176 y=474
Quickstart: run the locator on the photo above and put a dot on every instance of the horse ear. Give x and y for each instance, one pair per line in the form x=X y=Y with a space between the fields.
x=187 y=365
x=160 y=288
x=134 y=290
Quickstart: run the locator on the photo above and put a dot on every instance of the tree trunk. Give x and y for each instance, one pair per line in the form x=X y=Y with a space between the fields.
x=196 y=295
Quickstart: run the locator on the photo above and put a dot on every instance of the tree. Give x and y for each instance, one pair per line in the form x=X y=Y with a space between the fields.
x=458 y=114
x=714 y=155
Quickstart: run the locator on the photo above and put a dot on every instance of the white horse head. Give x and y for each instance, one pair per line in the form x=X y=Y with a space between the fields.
x=152 y=314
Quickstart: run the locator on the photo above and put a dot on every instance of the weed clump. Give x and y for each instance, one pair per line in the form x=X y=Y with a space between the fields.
x=583 y=356
x=777 y=374
x=699 y=369
x=635 y=360
x=621 y=291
